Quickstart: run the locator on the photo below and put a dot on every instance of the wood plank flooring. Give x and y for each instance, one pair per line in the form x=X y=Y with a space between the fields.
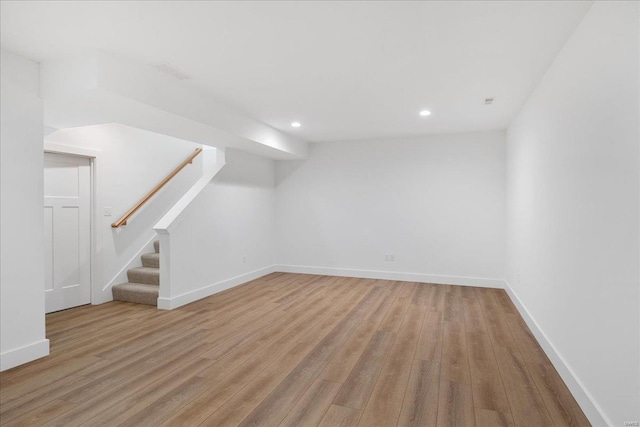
x=295 y=350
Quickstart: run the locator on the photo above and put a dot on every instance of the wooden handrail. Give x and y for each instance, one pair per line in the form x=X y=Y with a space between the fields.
x=145 y=199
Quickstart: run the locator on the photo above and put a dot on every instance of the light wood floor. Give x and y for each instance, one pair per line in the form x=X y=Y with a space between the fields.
x=295 y=350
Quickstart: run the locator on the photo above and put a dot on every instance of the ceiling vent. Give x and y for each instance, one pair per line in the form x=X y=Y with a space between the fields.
x=488 y=101
x=173 y=71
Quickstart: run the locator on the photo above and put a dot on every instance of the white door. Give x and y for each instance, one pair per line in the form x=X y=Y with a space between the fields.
x=67 y=219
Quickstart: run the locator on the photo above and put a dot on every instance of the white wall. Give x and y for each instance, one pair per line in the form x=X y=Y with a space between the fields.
x=573 y=212
x=436 y=203
x=22 y=327
x=225 y=236
x=131 y=162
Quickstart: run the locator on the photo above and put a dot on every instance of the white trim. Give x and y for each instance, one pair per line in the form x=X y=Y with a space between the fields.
x=591 y=409
x=22 y=355
x=52 y=147
x=186 y=298
x=394 y=275
x=94 y=156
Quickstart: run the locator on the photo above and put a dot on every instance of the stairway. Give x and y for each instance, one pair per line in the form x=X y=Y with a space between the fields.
x=143 y=285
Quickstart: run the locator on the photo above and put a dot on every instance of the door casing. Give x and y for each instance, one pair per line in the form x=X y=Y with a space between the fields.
x=97 y=296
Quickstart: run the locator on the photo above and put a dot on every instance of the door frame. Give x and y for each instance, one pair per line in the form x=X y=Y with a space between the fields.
x=94 y=235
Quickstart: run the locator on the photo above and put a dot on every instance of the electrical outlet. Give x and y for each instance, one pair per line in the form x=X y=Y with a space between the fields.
x=107 y=211
x=390 y=257
x=244 y=259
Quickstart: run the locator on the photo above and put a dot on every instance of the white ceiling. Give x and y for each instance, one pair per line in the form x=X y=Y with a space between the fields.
x=345 y=70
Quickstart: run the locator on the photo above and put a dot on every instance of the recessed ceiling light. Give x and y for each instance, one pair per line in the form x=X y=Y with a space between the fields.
x=296 y=124
x=425 y=113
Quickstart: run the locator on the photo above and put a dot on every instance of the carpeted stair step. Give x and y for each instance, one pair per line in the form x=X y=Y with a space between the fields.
x=144 y=282
x=146 y=275
x=139 y=293
x=151 y=260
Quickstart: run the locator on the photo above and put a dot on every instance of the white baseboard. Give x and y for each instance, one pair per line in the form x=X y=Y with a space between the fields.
x=22 y=355
x=393 y=275
x=188 y=297
x=591 y=409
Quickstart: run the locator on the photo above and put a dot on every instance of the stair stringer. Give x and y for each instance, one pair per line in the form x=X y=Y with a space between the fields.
x=212 y=163
x=121 y=276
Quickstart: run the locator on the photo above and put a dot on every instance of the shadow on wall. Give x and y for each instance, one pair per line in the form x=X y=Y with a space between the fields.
x=242 y=171
x=287 y=169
